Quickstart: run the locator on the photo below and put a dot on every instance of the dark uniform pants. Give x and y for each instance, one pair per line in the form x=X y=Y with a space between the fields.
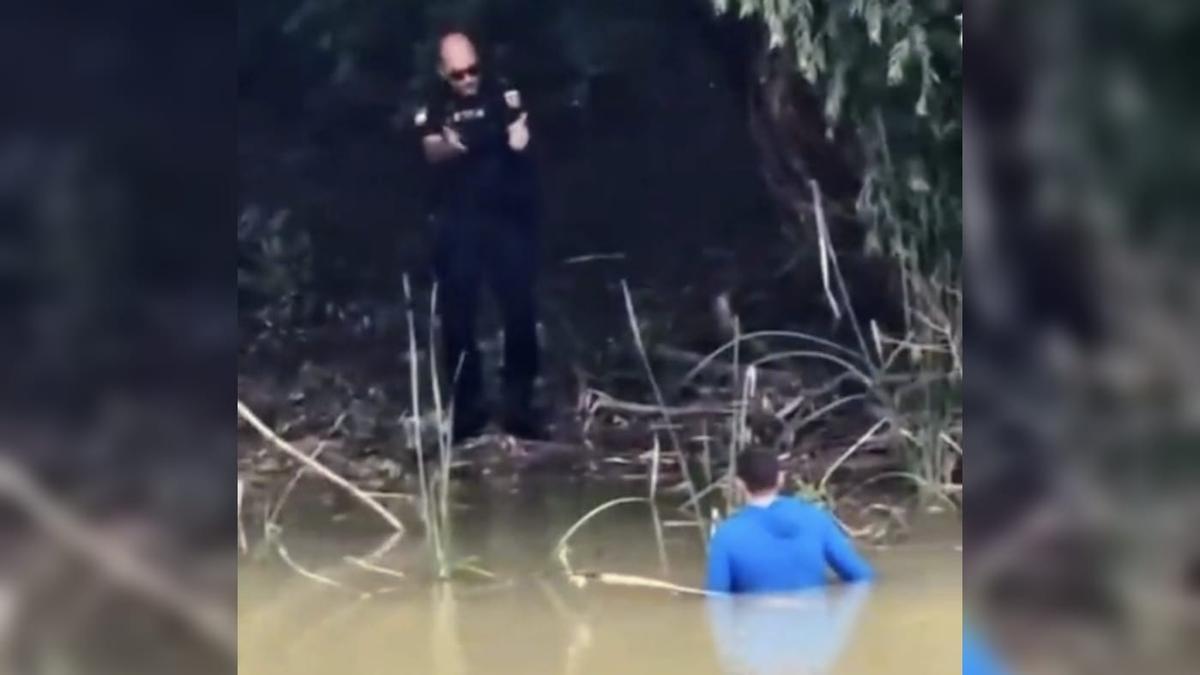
x=472 y=247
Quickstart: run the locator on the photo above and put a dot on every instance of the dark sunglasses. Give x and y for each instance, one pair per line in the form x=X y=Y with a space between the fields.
x=464 y=73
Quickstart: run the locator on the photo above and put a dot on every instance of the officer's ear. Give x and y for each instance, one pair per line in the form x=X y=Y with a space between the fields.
x=442 y=71
x=780 y=481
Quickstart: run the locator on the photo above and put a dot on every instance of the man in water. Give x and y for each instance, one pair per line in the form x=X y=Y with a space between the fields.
x=474 y=133
x=778 y=544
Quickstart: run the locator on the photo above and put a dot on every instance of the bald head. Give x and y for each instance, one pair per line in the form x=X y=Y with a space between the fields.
x=456 y=48
x=459 y=63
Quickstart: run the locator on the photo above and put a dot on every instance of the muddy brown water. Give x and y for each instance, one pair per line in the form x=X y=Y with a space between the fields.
x=528 y=620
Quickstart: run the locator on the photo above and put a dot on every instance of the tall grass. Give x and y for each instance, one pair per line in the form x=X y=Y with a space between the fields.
x=916 y=401
x=445 y=442
x=434 y=486
x=676 y=444
x=429 y=513
x=921 y=399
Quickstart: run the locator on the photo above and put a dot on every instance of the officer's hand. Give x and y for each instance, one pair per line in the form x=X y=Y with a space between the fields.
x=453 y=139
x=518 y=133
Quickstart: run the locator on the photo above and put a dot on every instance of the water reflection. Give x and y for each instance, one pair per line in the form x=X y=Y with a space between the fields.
x=530 y=621
x=793 y=634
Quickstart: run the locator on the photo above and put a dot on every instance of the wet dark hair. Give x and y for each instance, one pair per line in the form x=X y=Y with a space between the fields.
x=759 y=470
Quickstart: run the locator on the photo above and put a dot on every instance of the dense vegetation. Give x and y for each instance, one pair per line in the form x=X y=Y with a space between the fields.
x=849 y=113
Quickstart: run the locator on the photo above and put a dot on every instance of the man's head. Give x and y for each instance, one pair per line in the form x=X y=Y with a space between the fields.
x=758 y=473
x=459 y=64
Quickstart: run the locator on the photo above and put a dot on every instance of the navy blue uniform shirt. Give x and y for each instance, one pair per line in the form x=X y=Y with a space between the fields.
x=490 y=176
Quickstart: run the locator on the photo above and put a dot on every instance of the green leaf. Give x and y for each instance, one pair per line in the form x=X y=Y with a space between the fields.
x=871 y=244
x=897 y=60
x=820 y=61
x=805 y=57
x=874 y=18
x=917 y=181
x=775 y=28
x=836 y=96
x=899 y=14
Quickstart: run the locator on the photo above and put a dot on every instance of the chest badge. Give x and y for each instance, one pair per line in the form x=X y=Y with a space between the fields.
x=469 y=114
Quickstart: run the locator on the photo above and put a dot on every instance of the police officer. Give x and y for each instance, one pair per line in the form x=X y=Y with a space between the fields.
x=475 y=135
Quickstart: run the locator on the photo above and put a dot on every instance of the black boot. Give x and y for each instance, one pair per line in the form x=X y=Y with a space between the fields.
x=526 y=424
x=467 y=424
x=520 y=418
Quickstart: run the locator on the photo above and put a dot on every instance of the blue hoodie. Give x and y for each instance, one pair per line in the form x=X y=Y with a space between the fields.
x=787 y=546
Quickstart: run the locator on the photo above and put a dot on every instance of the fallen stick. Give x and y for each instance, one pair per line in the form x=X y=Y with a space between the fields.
x=316 y=466
x=208 y=619
x=388 y=544
x=516 y=456
x=371 y=567
x=582 y=578
x=605 y=402
x=291 y=485
x=303 y=571
x=593 y=257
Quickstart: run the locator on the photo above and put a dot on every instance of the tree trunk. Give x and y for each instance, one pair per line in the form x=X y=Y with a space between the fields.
x=787 y=123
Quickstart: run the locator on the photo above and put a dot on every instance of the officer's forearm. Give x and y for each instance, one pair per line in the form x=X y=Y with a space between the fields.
x=438 y=149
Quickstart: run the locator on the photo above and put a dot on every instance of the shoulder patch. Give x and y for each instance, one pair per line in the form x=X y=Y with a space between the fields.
x=512 y=97
x=421 y=117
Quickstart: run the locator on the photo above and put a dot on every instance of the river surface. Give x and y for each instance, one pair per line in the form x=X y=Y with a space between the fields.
x=527 y=619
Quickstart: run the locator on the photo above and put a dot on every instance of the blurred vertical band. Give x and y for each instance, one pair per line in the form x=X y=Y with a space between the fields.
x=118 y=335
x=1082 y=157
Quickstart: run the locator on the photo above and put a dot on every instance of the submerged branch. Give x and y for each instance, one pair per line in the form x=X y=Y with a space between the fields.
x=325 y=472
x=633 y=581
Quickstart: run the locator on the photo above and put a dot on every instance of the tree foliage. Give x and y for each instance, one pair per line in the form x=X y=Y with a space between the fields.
x=880 y=83
x=889 y=73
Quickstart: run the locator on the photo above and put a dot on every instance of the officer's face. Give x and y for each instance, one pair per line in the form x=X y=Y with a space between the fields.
x=460 y=67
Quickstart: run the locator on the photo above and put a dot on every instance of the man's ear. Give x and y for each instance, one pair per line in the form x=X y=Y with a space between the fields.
x=782 y=480
x=741 y=486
